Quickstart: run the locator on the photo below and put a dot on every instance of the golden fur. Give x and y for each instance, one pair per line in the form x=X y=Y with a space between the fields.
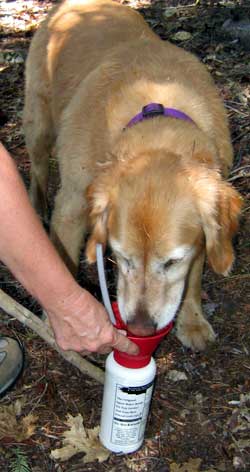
x=155 y=191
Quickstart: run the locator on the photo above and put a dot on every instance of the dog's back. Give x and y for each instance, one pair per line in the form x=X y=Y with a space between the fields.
x=106 y=44
x=76 y=37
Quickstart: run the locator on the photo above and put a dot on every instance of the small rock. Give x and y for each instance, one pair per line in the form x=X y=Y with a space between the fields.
x=182 y=36
x=238 y=463
x=18 y=59
x=14 y=58
x=210 y=308
x=245 y=399
x=169 y=12
x=238 y=30
x=176 y=375
x=184 y=413
x=199 y=398
x=221 y=466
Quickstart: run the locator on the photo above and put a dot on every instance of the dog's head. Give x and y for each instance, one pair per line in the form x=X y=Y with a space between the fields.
x=158 y=215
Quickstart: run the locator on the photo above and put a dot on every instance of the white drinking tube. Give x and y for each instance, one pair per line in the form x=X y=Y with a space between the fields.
x=103 y=283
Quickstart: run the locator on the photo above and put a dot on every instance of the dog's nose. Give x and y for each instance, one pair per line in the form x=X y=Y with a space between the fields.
x=141 y=330
x=141 y=324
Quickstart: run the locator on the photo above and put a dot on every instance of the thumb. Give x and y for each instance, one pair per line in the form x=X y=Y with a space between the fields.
x=123 y=344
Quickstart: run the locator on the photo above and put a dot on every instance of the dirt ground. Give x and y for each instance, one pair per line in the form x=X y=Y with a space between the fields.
x=199 y=423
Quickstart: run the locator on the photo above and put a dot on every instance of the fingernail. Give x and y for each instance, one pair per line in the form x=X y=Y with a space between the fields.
x=122 y=331
x=134 y=350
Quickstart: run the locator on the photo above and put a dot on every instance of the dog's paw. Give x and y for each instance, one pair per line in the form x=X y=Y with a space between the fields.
x=195 y=334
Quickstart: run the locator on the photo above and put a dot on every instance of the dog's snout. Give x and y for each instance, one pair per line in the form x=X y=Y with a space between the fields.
x=141 y=324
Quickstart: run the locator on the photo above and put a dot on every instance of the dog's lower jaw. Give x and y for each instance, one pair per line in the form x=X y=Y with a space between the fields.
x=193 y=330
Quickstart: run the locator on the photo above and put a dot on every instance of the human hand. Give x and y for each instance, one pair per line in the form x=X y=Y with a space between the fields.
x=80 y=323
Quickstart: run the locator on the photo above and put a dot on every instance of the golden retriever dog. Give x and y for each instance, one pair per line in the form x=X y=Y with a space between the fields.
x=144 y=149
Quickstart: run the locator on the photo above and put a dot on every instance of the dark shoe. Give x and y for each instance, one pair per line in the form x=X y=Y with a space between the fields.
x=11 y=362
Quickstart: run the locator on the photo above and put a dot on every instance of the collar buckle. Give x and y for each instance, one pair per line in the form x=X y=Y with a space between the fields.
x=153 y=109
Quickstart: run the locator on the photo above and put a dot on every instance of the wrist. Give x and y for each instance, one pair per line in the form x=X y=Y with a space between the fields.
x=73 y=299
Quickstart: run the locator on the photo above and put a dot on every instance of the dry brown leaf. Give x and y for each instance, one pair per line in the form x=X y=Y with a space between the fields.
x=18 y=406
x=79 y=439
x=193 y=465
x=241 y=444
x=12 y=426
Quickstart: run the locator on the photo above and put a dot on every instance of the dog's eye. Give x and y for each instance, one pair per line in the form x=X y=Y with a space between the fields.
x=127 y=262
x=123 y=260
x=169 y=263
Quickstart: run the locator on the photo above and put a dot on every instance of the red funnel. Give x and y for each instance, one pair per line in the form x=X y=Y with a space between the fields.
x=147 y=344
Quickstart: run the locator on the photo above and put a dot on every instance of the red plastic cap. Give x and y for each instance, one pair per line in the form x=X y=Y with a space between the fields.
x=147 y=344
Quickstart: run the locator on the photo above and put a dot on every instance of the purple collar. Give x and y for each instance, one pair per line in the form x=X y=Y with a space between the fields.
x=157 y=109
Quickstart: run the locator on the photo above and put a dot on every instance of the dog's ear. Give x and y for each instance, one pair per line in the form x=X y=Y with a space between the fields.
x=220 y=251
x=99 y=198
x=219 y=207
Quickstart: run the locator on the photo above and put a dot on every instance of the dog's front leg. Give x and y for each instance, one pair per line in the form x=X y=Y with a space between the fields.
x=192 y=329
x=68 y=225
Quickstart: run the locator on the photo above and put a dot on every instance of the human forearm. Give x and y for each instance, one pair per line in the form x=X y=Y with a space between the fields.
x=24 y=245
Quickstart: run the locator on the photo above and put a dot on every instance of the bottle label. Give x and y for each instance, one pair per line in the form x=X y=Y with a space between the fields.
x=130 y=413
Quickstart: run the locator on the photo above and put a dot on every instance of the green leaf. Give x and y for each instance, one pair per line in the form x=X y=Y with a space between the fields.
x=19 y=463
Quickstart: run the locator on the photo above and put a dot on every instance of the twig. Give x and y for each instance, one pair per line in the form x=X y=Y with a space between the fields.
x=237 y=169
x=229 y=107
x=226 y=279
x=245 y=209
x=26 y=317
x=39 y=399
x=239 y=176
x=241 y=135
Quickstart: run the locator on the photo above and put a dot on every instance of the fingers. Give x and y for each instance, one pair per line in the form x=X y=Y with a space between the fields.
x=119 y=342
x=108 y=348
x=84 y=353
x=123 y=344
x=105 y=350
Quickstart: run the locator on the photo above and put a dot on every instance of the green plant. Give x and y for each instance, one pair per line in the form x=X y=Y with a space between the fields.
x=19 y=462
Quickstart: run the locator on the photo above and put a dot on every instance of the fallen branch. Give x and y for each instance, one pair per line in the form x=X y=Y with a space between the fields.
x=27 y=318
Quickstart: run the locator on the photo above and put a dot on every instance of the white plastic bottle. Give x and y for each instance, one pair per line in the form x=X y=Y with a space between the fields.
x=128 y=388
